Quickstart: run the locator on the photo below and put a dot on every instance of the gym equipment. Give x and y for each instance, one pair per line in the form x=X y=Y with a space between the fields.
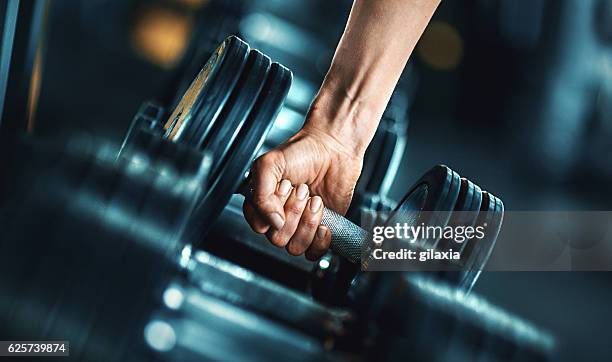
x=92 y=252
x=21 y=59
x=111 y=231
x=111 y=268
x=430 y=320
x=92 y=248
x=227 y=110
x=230 y=81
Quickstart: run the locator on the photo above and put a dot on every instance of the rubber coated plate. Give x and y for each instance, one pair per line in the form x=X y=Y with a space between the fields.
x=478 y=251
x=466 y=212
x=198 y=109
x=473 y=208
x=438 y=190
x=237 y=109
x=231 y=173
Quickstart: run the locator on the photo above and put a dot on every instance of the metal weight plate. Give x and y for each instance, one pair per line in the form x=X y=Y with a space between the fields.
x=436 y=191
x=197 y=111
x=466 y=212
x=473 y=209
x=479 y=250
x=231 y=172
x=237 y=109
x=233 y=283
x=429 y=202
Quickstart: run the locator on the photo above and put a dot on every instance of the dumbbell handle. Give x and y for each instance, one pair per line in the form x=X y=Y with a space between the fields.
x=347 y=238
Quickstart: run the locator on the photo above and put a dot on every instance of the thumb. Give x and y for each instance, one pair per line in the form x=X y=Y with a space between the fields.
x=266 y=174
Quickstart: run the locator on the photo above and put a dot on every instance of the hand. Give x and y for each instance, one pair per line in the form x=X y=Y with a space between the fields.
x=292 y=182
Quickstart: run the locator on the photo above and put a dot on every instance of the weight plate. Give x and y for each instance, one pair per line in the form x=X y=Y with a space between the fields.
x=231 y=172
x=237 y=108
x=199 y=108
x=436 y=191
x=478 y=251
x=473 y=210
x=225 y=280
x=465 y=213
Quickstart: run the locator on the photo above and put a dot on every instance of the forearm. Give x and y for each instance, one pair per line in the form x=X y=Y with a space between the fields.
x=377 y=41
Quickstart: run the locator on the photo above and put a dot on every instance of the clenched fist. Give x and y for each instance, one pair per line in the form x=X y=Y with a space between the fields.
x=293 y=182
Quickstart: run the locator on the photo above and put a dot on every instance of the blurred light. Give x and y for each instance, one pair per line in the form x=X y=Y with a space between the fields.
x=223 y=310
x=34 y=90
x=441 y=46
x=161 y=35
x=235 y=270
x=173 y=297
x=323 y=264
x=289 y=119
x=160 y=335
x=185 y=256
x=301 y=92
x=277 y=33
x=137 y=164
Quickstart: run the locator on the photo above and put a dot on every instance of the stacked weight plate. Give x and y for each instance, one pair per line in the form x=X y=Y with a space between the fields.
x=228 y=109
x=442 y=198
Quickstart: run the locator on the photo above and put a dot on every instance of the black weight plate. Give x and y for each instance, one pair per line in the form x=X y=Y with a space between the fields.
x=237 y=109
x=465 y=213
x=198 y=109
x=478 y=251
x=219 y=278
x=435 y=191
x=163 y=216
x=473 y=210
x=233 y=170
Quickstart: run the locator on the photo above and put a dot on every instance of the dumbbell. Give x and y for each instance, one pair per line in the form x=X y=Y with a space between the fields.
x=431 y=320
x=227 y=111
x=94 y=228
x=92 y=255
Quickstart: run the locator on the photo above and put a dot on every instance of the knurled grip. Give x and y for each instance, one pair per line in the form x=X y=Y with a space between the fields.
x=347 y=238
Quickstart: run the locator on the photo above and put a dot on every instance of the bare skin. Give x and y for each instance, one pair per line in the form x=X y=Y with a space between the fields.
x=321 y=163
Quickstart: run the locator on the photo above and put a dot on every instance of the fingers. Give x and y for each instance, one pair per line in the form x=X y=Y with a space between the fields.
x=307 y=227
x=302 y=230
x=268 y=193
x=320 y=244
x=294 y=207
x=258 y=223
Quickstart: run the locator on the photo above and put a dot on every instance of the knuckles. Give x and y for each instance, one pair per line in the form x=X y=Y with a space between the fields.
x=310 y=223
x=277 y=239
x=294 y=248
x=294 y=209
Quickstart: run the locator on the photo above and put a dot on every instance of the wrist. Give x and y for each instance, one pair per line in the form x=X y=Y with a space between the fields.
x=344 y=115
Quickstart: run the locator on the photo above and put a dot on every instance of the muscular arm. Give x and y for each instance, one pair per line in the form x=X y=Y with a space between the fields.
x=322 y=162
x=379 y=37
